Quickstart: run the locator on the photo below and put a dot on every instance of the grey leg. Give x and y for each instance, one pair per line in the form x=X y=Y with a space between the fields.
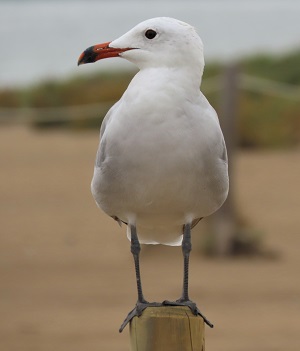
x=135 y=250
x=184 y=300
x=141 y=302
x=186 y=249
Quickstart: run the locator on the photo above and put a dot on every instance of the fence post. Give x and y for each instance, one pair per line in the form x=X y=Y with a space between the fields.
x=167 y=328
x=223 y=223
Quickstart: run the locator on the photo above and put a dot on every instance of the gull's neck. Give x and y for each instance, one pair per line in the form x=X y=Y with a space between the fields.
x=184 y=80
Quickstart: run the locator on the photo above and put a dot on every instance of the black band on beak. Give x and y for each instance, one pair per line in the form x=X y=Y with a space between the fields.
x=88 y=56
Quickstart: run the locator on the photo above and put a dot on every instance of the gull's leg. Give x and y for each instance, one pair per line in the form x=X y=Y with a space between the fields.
x=184 y=300
x=135 y=250
x=141 y=302
x=186 y=250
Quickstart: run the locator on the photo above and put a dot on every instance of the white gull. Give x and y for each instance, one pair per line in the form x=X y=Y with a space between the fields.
x=161 y=164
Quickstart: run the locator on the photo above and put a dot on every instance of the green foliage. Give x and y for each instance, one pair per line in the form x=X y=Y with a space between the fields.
x=268 y=122
x=263 y=120
x=284 y=69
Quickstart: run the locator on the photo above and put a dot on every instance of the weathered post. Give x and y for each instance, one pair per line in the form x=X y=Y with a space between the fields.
x=167 y=328
x=223 y=223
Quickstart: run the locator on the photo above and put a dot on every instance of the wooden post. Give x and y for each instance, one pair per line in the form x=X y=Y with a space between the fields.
x=167 y=328
x=223 y=223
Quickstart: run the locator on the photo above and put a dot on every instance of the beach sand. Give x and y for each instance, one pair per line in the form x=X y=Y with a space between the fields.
x=66 y=272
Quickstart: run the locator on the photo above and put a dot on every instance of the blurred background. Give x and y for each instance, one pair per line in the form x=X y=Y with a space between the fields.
x=66 y=272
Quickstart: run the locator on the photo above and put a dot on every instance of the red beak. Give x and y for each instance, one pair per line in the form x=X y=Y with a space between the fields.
x=99 y=52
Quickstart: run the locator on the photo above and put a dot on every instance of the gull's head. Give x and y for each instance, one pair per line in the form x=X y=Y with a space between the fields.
x=157 y=42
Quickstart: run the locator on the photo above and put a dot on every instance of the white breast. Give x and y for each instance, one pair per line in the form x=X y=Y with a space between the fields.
x=161 y=163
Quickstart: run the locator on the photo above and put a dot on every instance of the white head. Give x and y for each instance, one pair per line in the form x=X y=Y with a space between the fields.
x=162 y=41
x=156 y=42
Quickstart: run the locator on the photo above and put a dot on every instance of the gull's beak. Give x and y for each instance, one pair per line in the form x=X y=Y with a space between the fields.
x=99 y=52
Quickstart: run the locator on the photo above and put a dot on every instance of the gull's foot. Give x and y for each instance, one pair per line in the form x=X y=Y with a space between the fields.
x=137 y=311
x=191 y=305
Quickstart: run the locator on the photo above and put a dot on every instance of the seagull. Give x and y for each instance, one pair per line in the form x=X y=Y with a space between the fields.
x=161 y=165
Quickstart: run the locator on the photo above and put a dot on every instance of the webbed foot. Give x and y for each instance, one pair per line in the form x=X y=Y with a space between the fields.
x=193 y=307
x=137 y=311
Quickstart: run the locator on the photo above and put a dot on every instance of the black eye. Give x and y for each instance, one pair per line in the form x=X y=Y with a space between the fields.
x=150 y=34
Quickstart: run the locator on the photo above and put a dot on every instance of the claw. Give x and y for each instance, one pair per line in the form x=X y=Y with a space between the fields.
x=193 y=307
x=137 y=312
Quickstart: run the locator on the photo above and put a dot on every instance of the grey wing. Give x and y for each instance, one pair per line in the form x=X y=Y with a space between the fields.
x=213 y=114
x=224 y=152
x=107 y=117
x=101 y=148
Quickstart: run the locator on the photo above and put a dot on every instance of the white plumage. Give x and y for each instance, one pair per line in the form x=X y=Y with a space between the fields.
x=161 y=161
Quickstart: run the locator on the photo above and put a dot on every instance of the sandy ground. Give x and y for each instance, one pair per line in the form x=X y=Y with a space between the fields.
x=66 y=274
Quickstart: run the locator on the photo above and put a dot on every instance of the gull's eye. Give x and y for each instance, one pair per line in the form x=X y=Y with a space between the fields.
x=150 y=34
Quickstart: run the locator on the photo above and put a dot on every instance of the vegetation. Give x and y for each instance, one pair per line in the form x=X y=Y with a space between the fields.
x=264 y=120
